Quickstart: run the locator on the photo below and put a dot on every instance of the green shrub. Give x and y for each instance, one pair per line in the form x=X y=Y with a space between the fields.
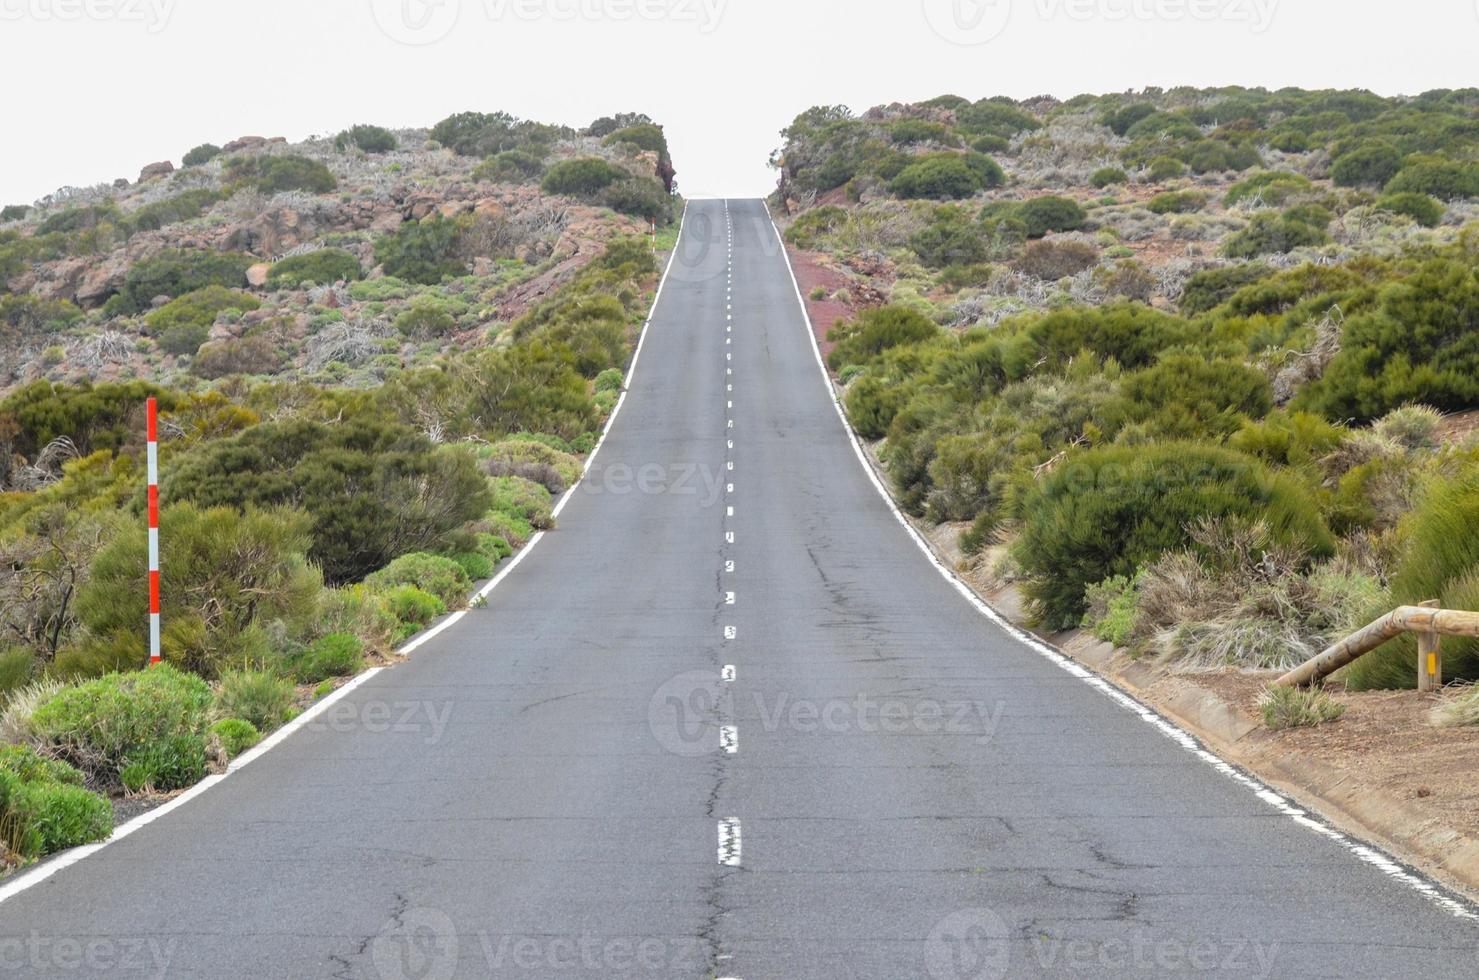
x=1050 y=213
x=249 y=355
x=875 y=331
x=482 y=134
x=1131 y=333
x=1415 y=344
x=40 y=815
x=372 y=490
x=475 y=565
x=236 y=735
x=1440 y=561
x=229 y=574
x=14 y=212
x=810 y=227
x=198 y=309
x=104 y=725
x=1210 y=156
x=181 y=207
x=524 y=499
x=175 y=272
x=1108 y=177
x=331 y=655
x=1270 y=234
x=1109 y=511
x=580 y=177
x=1189 y=396
x=370 y=139
x=361 y=612
x=426 y=317
x=434 y=574
x=1163 y=127
x=413 y=608
x=610 y=379
x=1272 y=188
x=528 y=387
x=28 y=315
x=324 y=265
x=204 y=153
x=257 y=696
x=1054 y=260
x=287 y=172
x=950 y=242
x=532 y=460
x=1447 y=180
x=1419 y=207
x=1372 y=166
x=1288 y=438
x=1177 y=202
x=510 y=166
x=1111 y=610
x=1120 y=120
x=1166 y=168
x=169 y=763
x=943 y=176
x=17 y=669
x=642 y=197
x=424 y=251
x=1206 y=290
x=1294 y=707
x=94 y=417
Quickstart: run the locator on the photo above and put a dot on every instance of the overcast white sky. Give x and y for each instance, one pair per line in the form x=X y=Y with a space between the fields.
x=94 y=89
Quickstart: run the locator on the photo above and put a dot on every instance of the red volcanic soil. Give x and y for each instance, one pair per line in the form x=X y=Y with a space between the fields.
x=810 y=273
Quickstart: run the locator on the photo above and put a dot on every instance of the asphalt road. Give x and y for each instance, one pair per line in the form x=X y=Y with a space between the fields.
x=641 y=760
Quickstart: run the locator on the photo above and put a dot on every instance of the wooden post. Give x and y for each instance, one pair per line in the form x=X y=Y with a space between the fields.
x=1429 y=657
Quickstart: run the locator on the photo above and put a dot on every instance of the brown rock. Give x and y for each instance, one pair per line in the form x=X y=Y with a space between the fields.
x=243 y=143
x=257 y=275
x=387 y=222
x=156 y=170
x=418 y=206
x=101 y=280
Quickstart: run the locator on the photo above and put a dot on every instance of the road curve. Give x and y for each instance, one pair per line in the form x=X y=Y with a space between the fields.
x=728 y=721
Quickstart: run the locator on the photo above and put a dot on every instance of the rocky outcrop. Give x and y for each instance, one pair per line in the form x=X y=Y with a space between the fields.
x=243 y=143
x=155 y=171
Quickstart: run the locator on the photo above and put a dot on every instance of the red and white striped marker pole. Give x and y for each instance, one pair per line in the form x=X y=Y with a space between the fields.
x=153 y=457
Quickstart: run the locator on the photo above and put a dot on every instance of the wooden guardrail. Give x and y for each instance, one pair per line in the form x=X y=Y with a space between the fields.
x=1427 y=621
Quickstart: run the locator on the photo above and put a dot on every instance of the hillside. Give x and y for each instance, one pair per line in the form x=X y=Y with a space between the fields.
x=317 y=250
x=1191 y=366
x=379 y=358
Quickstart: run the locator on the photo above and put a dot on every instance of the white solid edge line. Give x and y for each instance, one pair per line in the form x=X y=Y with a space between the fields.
x=66 y=859
x=1366 y=852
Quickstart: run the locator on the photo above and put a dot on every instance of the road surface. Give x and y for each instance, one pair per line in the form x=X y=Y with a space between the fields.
x=643 y=760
